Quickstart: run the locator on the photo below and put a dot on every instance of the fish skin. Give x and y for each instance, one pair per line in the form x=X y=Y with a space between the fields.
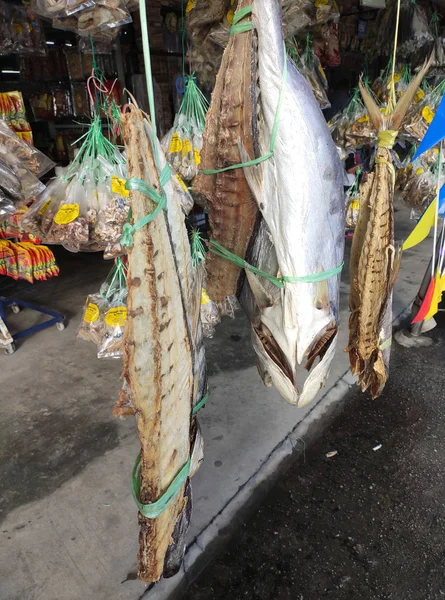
x=159 y=352
x=232 y=209
x=299 y=192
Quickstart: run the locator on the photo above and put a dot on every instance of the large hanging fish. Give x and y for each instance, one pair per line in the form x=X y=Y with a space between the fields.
x=299 y=191
x=164 y=365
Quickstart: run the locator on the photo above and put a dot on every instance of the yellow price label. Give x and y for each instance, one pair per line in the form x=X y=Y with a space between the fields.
x=355 y=205
x=118 y=186
x=197 y=156
x=116 y=316
x=205 y=299
x=190 y=5
x=186 y=147
x=91 y=313
x=427 y=114
x=419 y=95
x=319 y=3
x=44 y=207
x=419 y=171
x=185 y=188
x=175 y=144
x=394 y=78
x=363 y=119
x=66 y=214
x=230 y=16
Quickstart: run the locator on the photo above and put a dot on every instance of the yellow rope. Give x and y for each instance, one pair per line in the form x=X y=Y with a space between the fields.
x=387 y=138
x=393 y=99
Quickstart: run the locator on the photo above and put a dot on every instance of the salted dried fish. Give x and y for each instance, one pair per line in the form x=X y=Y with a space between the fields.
x=374 y=257
x=164 y=367
x=299 y=192
x=232 y=209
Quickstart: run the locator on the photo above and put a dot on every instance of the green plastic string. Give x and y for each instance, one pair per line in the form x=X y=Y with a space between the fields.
x=197 y=248
x=148 y=77
x=194 y=104
x=200 y=404
x=154 y=509
x=118 y=272
x=279 y=282
x=238 y=27
x=160 y=199
x=273 y=136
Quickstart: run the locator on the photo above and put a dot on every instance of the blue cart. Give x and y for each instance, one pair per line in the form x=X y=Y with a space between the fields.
x=56 y=319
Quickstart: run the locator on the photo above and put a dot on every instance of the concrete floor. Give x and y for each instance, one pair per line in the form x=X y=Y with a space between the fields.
x=367 y=523
x=68 y=521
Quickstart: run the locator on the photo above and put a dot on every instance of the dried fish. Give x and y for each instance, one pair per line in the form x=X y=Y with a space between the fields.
x=374 y=258
x=232 y=209
x=164 y=367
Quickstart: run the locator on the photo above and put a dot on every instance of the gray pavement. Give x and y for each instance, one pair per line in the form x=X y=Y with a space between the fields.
x=368 y=522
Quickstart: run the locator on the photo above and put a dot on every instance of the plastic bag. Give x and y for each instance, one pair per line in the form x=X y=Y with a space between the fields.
x=70 y=223
x=352 y=128
x=421 y=113
x=38 y=219
x=92 y=326
x=49 y=8
x=311 y=69
x=420 y=187
x=15 y=151
x=414 y=31
x=210 y=316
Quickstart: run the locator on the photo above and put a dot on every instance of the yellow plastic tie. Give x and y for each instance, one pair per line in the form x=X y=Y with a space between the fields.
x=387 y=138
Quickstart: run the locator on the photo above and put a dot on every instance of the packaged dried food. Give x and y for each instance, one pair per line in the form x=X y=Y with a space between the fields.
x=42 y=106
x=39 y=216
x=62 y=103
x=74 y=64
x=81 y=105
x=12 y=110
x=420 y=114
x=20 y=154
x=92 y=325
x=70 y=223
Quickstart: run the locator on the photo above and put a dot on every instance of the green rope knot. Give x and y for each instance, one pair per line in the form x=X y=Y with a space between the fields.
x=238 y=27
x=139 y=185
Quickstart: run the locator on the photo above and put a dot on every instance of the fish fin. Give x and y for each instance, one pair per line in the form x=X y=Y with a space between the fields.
x=262 y=298
x=317 y=377
x=407 y=97
x=253 y=174
x=371 y=106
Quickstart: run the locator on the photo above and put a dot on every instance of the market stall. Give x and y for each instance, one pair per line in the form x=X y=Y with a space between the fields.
x=186 y=142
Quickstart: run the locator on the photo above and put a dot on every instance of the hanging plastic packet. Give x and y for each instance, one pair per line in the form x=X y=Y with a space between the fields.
x=18 y=152
x=352 y=202
x=352 y=128
x=114 y=289
x=183 y=143
x=421 y=114
x=92 y=326
x=38 y=219
x=210 y=316
x=70 y=223
x=310 y=67
x=420 y=187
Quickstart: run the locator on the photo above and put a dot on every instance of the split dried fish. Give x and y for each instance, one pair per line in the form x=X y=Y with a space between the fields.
x=232 y=209
x=164 y=365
